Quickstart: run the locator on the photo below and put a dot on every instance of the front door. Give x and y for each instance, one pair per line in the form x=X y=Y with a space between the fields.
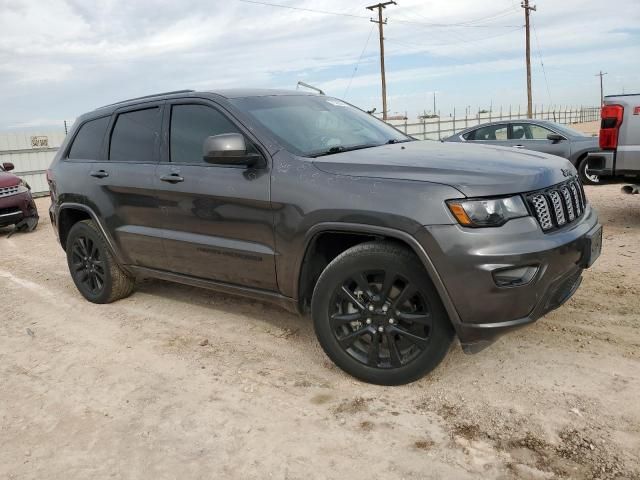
x=218 y=222
x=534 y=137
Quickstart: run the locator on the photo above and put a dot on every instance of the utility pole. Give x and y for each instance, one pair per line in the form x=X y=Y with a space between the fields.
x=527 y=10
x=434 y=103
x=380 y=23
x=601 y=74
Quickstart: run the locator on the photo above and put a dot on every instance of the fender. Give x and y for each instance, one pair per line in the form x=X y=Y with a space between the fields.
x=385 y=232
x=110 y=243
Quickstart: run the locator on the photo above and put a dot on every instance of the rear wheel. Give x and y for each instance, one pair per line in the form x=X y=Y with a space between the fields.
x=93 y=269
x=587 y=178
x=378 y=316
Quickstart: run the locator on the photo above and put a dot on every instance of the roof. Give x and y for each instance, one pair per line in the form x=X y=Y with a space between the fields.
x=225 y=93
x=257 y=92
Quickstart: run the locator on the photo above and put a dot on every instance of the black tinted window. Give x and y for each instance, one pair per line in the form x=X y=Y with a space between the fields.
x=88 y=141
x=190 y=126
x=134 y=136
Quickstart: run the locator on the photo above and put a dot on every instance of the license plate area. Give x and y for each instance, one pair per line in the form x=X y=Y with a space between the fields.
x=593 y=247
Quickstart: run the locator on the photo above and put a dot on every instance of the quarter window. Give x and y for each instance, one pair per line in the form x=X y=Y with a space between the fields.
x=88 y=142
x=190 y=126
x=134 y=136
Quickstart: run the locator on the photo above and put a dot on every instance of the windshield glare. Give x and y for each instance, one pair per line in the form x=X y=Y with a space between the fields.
x=310 y=125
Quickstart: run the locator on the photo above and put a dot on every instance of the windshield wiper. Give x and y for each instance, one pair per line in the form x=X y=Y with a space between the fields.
x=340 y=149
x=395 y=140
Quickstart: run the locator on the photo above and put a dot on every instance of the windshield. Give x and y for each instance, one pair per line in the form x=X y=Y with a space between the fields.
x=311 y=125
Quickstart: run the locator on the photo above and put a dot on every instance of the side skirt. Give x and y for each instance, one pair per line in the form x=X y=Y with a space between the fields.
x=287 y=303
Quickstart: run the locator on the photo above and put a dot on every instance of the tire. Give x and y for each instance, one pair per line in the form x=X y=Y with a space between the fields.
x=93 y=269
x=584 y=176
x=405 y=335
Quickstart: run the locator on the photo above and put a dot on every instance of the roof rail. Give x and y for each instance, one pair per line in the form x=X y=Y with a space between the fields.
x=146 y=96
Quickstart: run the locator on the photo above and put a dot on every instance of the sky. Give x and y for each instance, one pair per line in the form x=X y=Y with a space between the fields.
x=61 y=58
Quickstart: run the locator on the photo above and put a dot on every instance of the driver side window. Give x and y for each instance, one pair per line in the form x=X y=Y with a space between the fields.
x=190 y=126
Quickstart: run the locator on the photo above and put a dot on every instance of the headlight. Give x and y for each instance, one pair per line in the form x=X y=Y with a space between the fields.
x=22 y=187
x=487 y=212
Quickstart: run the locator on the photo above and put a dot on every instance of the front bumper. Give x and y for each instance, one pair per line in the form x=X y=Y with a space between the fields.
x=466 y=260
x=15 y=208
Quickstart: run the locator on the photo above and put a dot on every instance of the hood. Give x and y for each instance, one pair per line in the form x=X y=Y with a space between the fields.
x=8 y=179
x=475 y=170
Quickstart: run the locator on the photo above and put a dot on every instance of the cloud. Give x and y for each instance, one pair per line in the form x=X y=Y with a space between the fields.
x=62 y=57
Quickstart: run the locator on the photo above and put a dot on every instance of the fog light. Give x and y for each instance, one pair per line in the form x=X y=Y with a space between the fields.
x=514 y=277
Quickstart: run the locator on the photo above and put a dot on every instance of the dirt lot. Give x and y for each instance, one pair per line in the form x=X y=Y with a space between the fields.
x=128 y=390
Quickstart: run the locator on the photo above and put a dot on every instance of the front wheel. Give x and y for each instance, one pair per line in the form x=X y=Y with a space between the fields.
x=378 y=316
x=587 y=178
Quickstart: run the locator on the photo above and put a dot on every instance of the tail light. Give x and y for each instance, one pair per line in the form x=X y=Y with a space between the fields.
x=611 y=116
x=51 y=184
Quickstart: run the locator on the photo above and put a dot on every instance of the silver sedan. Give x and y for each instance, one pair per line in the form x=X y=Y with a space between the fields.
x=538 y=135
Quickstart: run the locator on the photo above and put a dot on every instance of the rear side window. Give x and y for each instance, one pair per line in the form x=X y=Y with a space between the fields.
x=88 y=141
x=190 y=126
x=134 y=136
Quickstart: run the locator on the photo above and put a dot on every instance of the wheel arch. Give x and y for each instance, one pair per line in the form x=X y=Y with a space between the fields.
x=308 y=267
x=71 y=213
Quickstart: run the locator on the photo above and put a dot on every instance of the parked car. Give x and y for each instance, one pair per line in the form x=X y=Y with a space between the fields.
x=16 y=203
x=538 y=135
x=619 y=158
x=393 y=245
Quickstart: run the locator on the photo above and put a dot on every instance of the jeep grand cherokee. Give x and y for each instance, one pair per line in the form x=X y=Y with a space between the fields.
x=393 y=245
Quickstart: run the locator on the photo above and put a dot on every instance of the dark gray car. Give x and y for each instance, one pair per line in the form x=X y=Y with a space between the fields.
x=393 y=245
x=538 y=135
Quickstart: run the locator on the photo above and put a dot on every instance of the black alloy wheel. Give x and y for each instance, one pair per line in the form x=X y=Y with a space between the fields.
x=378 y=316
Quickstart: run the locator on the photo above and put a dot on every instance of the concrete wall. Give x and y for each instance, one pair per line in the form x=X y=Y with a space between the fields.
x=31 y=153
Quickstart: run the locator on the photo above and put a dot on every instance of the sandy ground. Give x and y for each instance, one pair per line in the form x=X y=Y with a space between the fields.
x=128 y=390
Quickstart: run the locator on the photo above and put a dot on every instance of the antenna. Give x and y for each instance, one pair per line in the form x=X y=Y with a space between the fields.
x=309 y=86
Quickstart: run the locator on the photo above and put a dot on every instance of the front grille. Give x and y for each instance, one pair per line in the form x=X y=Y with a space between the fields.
x=9 y=211
x=6 y=191
x=559 y=205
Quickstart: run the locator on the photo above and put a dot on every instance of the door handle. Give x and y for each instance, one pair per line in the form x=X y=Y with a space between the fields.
x=172 y=178
x=518 y=146
x=99 y=173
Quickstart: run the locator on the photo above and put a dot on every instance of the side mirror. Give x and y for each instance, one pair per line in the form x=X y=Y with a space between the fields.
x=228 y=149
x=8 y=166
x=555 y=137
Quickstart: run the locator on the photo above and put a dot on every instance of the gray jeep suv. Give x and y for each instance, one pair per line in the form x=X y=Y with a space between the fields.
x=394 y=245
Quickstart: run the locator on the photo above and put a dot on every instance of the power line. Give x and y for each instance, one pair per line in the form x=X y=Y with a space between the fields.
x=351 y=15
x=463 y=41
x=311 y=10
x=544 y=72
x=359 y=60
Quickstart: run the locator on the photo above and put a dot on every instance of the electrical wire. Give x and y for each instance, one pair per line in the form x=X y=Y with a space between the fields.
x=344 y=14
x=474 y=40
x=544 y=71
x=359 y=60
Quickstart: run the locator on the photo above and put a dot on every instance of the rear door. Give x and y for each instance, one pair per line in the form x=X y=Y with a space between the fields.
x=124 y=184
x=218 y=222
x=534 y=137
